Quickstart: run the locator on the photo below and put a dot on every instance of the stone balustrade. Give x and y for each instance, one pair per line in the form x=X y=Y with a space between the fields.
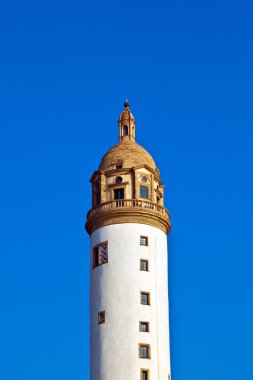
x=127 y=204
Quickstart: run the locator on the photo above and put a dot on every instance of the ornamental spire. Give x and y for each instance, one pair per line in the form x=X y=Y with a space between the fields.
x=126 y=124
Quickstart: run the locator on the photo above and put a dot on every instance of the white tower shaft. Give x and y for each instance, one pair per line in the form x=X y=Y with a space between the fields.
x=116 y=289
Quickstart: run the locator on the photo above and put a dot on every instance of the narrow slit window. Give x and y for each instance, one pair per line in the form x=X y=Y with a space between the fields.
x=98 y=198
x=143 y=240
x=145 y=298
x=101 y=317
x=144 y=265
x=100 y=254
x=144 y=374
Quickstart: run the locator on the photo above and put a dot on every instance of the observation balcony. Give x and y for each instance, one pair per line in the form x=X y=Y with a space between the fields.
x=128 y=211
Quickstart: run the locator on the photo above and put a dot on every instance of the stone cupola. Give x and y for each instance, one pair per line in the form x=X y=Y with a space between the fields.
x=127 y=185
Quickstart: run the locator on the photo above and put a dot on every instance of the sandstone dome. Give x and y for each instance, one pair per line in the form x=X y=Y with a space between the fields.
x=129 y=153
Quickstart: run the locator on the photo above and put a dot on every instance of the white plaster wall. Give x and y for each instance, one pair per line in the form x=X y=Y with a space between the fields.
x=115 y=287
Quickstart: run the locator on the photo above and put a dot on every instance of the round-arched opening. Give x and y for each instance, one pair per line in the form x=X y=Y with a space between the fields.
x=125 y=130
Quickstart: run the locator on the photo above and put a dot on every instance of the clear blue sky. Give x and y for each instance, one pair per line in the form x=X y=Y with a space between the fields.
x=65 y=69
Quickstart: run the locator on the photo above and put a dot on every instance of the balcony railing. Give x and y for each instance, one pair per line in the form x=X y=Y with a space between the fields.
x=128 y=204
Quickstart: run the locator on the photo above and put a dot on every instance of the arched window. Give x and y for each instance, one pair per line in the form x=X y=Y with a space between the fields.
x=125 y=130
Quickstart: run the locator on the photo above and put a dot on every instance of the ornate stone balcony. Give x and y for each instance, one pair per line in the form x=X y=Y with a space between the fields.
x=128 y=211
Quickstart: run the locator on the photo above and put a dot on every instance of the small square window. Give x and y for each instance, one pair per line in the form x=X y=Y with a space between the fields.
x=144 y=192
x=144 y=374
x=100 y=254
x=144 y=326
x=144 y=351
x=101 y=317
x=118 y=166
x=144 y=265
x=145 y=298
x=143 y=240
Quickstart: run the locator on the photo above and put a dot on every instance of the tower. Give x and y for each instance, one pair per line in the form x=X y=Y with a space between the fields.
x=128 y=227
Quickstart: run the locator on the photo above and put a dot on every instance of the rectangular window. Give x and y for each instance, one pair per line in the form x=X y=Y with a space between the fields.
x=118 y=166
x=144 y=192
x=144 y=351
x=98 y=198
x=145 y=298
x=119 y=193
x=101 y=317
x=143 y=240
x=100 y=254
x=144 y=326
x=144 y=374
x=144 y=265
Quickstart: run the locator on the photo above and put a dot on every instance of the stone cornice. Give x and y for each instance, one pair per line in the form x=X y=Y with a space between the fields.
x=112 y=172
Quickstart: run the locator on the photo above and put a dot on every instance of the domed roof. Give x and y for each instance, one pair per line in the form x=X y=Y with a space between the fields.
x=128 y=151
x=126 y=115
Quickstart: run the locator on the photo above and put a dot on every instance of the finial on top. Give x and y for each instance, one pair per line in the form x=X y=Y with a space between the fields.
x=126 y=124
x=126 y=104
